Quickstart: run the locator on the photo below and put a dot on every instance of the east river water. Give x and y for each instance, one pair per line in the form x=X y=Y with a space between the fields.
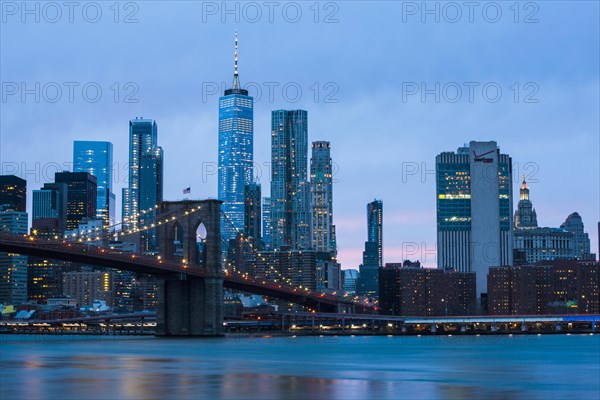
x=342 y=367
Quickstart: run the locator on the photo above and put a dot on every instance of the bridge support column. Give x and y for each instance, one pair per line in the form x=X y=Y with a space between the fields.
x=433 y=328
x=593 y=326
x=190 y=307
x=523 y=327
x=493 y=328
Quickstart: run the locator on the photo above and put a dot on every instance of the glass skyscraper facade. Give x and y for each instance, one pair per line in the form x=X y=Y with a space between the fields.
x=375 y=228
x=321 y=189
x=368 y=281
x=145 y=180
x=96 y=158
x=474 y=210
x=13 y=267
x=290 y=191
x=236 y=153
x=252 y=214
x=266 y=222
x=13 y=192
x=81 y=196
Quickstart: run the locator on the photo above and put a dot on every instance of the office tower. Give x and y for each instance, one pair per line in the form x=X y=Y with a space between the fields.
x=290 y=193
x=13 y=267
x=350 y=278
x=321 y=190
x=525 y=216
x=538 y=244
x=145 y=180
x=266 y=222
x=236 y=155
x=96 y=158
x=44 y=278
x=329 y=278
x=13 y=192
x=81 y=196
x=474 y=210
x=375 y=228
x=368 y=281
x=533 y=243
x=292 y=267
x=89 y=286
x=252 y=213
x=49 y=209
x=581 y=241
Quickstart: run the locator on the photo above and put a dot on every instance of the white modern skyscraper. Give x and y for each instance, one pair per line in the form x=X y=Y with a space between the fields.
x=474 y=210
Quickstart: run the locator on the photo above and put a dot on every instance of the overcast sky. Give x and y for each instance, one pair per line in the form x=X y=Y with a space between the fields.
x=389 y=84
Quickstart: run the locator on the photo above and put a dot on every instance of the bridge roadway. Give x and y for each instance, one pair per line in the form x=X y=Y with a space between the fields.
x=154 y=265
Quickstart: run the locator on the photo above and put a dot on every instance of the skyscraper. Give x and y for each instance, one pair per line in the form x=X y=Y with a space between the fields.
x=49 y=209
x=525 y=216
x=581 y=241
x=13 y=192
x=532 y=243
x=290 y=193
x=236 y=154
x=252 y=213
x=145 y=180
x=321 y=189
x=96 y=158
x=368 y=279
x=375 y=228
x=81 y=196
x=266 y=222
x=474 y=210
x=13 y=267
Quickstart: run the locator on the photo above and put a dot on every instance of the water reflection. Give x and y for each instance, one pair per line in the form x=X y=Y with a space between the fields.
x=302 y=368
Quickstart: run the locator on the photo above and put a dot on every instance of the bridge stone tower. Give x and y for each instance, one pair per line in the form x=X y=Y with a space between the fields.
x=190 y=306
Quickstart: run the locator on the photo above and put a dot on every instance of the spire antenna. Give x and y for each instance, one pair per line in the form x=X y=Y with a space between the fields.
x=236 y=81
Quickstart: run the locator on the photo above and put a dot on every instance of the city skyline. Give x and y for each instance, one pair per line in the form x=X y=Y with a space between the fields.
x=528 y=138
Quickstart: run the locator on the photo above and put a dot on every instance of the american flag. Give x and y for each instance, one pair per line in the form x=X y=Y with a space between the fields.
x=187 y=190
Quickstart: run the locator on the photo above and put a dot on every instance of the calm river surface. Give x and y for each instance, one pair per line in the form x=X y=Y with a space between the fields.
x=344 y=367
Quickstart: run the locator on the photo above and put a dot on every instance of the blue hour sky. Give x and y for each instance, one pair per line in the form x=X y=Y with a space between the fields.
x=390 y=84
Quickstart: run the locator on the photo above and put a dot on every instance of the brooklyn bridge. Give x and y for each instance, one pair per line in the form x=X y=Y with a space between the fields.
x=190 y=298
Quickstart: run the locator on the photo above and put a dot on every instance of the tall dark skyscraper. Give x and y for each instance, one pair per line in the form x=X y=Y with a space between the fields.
x=266 y=222
x=96 y=158
x=290 y=191
x=474 y=210
x=375 y=228
x=368 y=282
x=252 y=213
x=13 y=219
x=236 y=151
x=321 y=189
x=145 y=180
x=81 y=196
x=13 y=267
x=13 y=192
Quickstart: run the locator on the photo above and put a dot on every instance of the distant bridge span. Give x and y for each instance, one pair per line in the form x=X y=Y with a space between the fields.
x=153 y=265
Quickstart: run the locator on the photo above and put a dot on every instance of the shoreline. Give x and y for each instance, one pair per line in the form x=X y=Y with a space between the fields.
x=268 y=334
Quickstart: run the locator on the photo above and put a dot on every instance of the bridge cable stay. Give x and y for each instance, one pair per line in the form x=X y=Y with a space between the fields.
x=283 y=278
x=108 y=234
x=250 y=244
